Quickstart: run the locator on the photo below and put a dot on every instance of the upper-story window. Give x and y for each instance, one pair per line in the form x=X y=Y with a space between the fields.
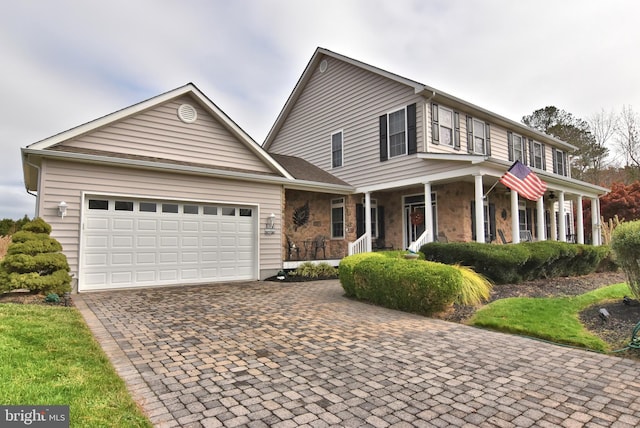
x=398 y=135
x=560 y=162
x=336 y=149
x=478 y=136
x=516 y=147
x=445 y=126
x=537 y=154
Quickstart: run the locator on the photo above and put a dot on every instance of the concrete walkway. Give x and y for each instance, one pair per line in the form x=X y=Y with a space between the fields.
x=265 y=354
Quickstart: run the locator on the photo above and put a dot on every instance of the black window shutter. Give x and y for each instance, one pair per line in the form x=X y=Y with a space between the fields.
x=492 y=223
x=412 y=138
x=456 y=131
x=487 y=130
x=473 y=220
x=565 y=164
x=469 y=134
x=383 y=138
x=544 y=158
x=380 y=222
x=555 y=163
x=435 y=130
x=359 y=220
x=510 y=145
x=532 y=157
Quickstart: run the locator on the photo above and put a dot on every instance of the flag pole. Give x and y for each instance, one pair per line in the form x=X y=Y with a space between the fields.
x=492 y=187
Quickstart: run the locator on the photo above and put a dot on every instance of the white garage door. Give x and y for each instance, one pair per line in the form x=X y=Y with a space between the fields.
x=129 y=243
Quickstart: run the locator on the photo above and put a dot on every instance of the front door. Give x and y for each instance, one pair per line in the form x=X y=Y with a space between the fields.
x=414 y=217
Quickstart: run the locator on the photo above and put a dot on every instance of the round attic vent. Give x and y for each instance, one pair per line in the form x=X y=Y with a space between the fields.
x=323 y=65
x=187 y=113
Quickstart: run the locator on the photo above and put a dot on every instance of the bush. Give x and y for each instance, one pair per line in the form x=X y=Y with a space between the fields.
x=625 y=243
x=34 y=261
x=474 y=289
x=393 y=282
x=312 y=270
x=346 y=270
x=515 y=263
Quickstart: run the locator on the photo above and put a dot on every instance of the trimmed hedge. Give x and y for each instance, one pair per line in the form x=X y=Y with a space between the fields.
x=408 y=285
x=514 y=263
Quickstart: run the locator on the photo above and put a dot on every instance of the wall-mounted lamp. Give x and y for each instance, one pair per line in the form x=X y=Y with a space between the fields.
x=62 y=209
x=270 y=227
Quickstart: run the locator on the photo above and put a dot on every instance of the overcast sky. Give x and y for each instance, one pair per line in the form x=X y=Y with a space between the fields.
x=67 y=62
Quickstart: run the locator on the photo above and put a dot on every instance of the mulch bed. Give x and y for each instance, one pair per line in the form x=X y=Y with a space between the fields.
x=27 y=297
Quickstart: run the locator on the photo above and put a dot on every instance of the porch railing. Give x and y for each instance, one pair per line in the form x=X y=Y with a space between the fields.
x=359 y=245
x=422 y=239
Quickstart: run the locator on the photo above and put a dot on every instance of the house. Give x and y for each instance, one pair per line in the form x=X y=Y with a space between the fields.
x=422 y=163
x=168 y=191
x=171 y=191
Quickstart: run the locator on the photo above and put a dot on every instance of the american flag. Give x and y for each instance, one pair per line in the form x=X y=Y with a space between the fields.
x=522 y=180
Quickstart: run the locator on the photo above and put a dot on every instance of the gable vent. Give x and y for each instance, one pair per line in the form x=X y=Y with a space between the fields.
x=187 y=113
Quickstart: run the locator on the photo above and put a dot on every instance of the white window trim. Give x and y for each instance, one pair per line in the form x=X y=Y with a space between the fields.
x=338 y=203
x=533 y=161
x=406 y=131
x=484 y=136
x=441 y=126
x=341 y=132
x=523 y=147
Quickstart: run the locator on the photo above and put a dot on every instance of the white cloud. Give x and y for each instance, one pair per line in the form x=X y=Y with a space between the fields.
x=66 y=62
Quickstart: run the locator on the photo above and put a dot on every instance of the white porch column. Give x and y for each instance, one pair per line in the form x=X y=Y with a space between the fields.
x=579 y=221
x=515 y=218
x=554 y=224
x=541 y=229
x=428 y=212
x=595 y=222
x=367 y=220
x=479 y=209
x=562 y=224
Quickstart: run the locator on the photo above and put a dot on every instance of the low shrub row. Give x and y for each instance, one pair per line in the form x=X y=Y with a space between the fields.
x=417 y=286
x=515 y=263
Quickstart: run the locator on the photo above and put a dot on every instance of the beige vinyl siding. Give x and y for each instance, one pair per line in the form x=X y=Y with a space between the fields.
x=65 y=181
x=159 y=132
x=351 y=99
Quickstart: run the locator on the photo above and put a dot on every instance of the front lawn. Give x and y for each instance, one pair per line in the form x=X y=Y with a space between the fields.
x=49 y=357
x=552 y=318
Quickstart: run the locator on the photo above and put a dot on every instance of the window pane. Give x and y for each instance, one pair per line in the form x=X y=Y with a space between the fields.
x=228 y=211
x=98 y=204
x=478 y=129
x=478 y=146
x=336 y=149
x=169 y=208
x=147 y=207
x=446 y=136
x=208 y=210
x=190 y=209
x=397 y=140
x=124 y=206
x=337 y=225
x=246 y=212
x=446 y=118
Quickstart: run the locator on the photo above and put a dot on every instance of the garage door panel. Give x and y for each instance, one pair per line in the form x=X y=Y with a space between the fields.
x=149 y=225
x=129 y=248
x=119 y=241
x=122 y=259
x=144 y=241
x=146 y=258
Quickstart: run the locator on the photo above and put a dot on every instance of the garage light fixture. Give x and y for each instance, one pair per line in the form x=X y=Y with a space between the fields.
x=62 y=209
x=270 y=227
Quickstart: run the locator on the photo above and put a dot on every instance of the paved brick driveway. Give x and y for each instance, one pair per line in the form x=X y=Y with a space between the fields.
x=285 y=355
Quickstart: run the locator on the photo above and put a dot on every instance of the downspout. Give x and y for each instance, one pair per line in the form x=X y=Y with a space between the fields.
x=27 y=189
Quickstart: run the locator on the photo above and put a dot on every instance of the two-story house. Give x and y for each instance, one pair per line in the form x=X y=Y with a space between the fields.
x=422 y=163
x=171 y=191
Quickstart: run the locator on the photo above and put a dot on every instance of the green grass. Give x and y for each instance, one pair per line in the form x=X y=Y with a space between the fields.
x=49 y=357
x=554 y=318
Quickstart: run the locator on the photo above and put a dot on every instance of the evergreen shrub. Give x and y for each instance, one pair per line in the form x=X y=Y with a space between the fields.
x=625 y=243
x=34 y=261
